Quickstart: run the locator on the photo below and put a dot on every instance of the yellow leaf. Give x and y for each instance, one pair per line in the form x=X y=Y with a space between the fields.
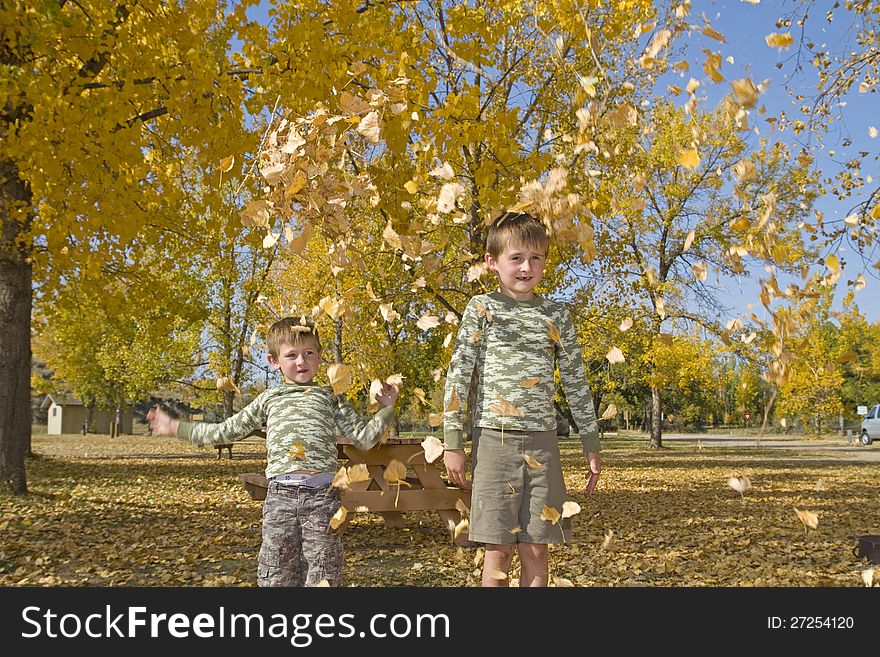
x=532 y=462
x=427 y=321
x=833 y=263
x=338 y=517
x=411 y=186
x=570 y=509
x=848 y=357
x=615 y=355
x=744 y=170
x=226 y=163
x=712 y=33
x=626 y=324
x=435 y=419
x=395 y=380
x=359 y=472
x=497 y=574
x=550 y=515
x=609 y=538
x=462 y=526
x=375 y=389
x=868 y=576
x=777 y=40
x=610 y=412
x=562 y=582
x=225 y=384
x=515 y=530
x=689 y=240
x=810 y=519
x=369 y=127
x=746 y=92
x=553 y=332
x=739 y=484
x=433 y=448
x=341 y=480
x=529 y=382
x=483 y=311
x=395 y=472
x=872 y=132
x=420 y=395
x=505 y=409
x=700 y=270
x=340 y=377
x=454 y=402
x=298 y=451
x=688 y=158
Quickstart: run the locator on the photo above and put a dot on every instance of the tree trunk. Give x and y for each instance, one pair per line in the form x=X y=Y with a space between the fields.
x=337 y=340
x=228 y=401
x=767 y=407
x=15 y=330
x=656 y=418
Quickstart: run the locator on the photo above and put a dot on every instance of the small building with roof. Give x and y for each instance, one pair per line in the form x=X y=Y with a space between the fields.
x=67 y=414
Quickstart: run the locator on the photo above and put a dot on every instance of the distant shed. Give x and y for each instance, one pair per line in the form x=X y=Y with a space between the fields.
x=67 y=414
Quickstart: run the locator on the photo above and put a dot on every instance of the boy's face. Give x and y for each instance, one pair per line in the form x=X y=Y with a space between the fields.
x=519 y=268
x=298 y=362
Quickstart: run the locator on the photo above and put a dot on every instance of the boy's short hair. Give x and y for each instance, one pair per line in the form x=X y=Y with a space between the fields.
x=516 y=228
x=290 y=330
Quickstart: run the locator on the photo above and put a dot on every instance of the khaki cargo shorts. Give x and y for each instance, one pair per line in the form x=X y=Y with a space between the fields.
x=508 y=495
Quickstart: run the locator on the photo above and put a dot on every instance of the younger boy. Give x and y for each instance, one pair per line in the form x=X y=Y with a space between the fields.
x=513 y=339
x=298 y=548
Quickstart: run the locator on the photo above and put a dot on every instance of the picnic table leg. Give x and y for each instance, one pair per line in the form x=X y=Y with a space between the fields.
x=430 y=478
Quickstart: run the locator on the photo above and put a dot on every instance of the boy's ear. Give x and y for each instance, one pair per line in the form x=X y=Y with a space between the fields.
x=274 y=363
x=490 y=260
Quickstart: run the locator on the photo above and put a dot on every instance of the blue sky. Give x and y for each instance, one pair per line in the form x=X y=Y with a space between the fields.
x=745 y=25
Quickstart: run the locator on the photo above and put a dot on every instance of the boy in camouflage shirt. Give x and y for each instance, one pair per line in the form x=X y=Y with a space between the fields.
x=512 y=340
x=299 y=548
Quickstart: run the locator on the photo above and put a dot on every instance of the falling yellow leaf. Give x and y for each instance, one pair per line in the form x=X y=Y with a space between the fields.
x=833 y=263
x=338 y=517
x=626 y=324
x=550 y=514
x=340 y=377
x=435 y=419
x=553 y=332
x=483 y=311
x=609 y=538
x=779 y=40
x=462 y=507
x=868 y=577
x=515 y=530
x=570 y=508
x=411 y=186
x=689 y=240
x=433 y=448
x=478 y=556
x=740 y=484
x=700 y=270
x=375 y=390
x=427 y=321
x=341 y=480
x=226 y=163
x=225 y=384
x=505 y=409
x=323 y=583
x=809 y=518
x=395 y=380
x=610 y=412
x=529 y=382
x=454 y=401
x=746 y=92
x=615 y=355
x=688 y=158
x=462 y=526
x=420 y=395
x=298 y=451
x=872 y=132
x=562 y=582
x=359 y=472
x=532 y=462
x=847 y=357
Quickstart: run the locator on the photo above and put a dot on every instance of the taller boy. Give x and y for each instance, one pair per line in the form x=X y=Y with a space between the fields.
x=514 y=340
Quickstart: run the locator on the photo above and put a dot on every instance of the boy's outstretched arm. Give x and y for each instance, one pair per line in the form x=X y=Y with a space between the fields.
x=365 y=434
x=160 y=423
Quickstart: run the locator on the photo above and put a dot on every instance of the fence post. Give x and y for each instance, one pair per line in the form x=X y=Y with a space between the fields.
x=849 y=437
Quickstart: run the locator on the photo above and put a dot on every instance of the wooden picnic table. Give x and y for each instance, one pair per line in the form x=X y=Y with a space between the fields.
x=427 y=491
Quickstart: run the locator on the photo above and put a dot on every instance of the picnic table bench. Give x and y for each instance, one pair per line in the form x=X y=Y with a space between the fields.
x=427 y=491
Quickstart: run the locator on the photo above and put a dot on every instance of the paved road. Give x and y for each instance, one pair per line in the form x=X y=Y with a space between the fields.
x=831 y=448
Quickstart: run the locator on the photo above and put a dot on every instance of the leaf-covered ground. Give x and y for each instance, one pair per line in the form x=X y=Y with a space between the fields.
x=137 y=511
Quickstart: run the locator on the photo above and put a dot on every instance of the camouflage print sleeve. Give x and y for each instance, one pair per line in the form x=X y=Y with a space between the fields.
x=364 y=434
x=574 y=383
x=234 y=428
x=458 y=377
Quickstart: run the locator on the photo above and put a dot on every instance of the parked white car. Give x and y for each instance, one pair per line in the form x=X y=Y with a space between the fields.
x=870 y=430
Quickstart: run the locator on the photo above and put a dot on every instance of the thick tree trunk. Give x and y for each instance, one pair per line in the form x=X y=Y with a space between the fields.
x=15 y=330
x=767 y=408
x=228 y=403
x=656 y=419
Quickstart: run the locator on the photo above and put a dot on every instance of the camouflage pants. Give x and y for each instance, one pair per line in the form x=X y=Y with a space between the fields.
x=299 y=548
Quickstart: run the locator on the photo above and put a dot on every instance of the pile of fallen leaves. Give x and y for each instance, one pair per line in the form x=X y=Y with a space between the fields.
x=139 y=511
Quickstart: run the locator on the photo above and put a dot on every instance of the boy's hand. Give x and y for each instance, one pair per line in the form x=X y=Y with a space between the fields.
x=388 y=396
x=594 y=470
x=454 y=460
x=161 y=424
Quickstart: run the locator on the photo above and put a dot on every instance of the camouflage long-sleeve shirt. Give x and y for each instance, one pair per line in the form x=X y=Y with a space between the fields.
x=514 y=347
x=301 y=423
